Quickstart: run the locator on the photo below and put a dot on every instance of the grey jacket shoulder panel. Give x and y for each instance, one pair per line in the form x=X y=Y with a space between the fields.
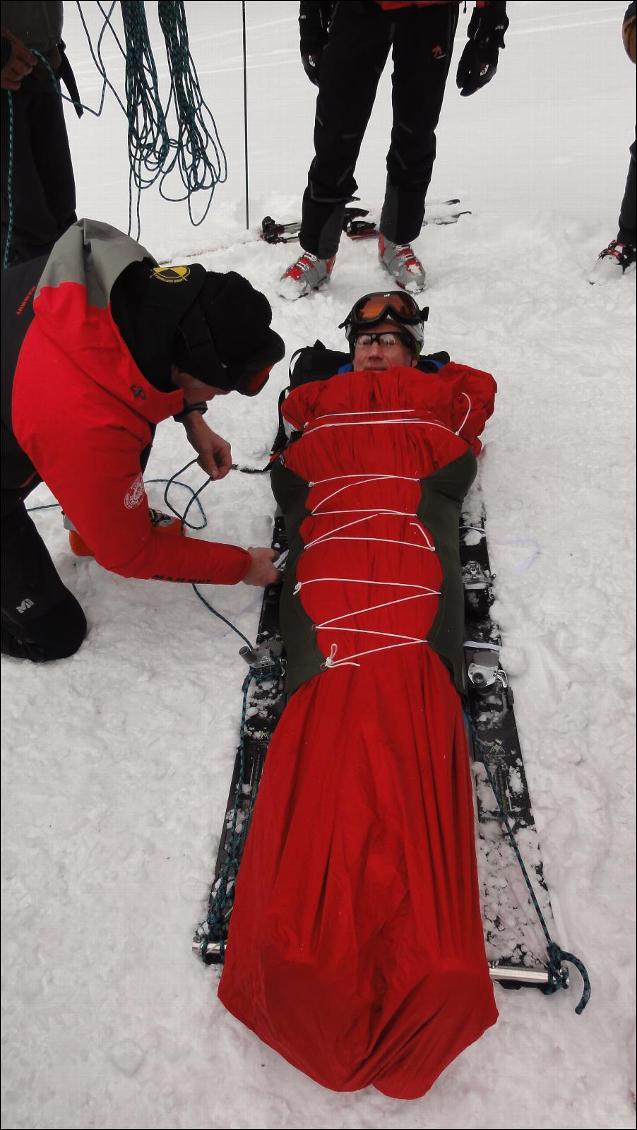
x=93 y=254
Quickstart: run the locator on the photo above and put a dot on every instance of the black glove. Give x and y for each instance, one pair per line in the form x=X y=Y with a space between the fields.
x=314 y=21
x=311 y=65
x=479 y=60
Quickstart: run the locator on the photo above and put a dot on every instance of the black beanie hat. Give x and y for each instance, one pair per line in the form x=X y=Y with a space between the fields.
x=224 y=339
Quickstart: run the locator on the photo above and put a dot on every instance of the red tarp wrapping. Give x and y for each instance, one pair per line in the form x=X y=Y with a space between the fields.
x=356 y=946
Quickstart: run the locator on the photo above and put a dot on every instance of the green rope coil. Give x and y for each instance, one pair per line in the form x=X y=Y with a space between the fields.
x=199 y=154
x=195 y=152
x=148 y=137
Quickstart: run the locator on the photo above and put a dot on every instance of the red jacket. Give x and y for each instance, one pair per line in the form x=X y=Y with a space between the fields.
x=82 y=412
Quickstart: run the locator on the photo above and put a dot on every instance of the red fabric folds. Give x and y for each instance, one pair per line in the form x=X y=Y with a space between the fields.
x=356 y=946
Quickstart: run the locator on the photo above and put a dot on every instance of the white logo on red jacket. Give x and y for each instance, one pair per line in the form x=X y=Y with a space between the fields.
x=135 y=493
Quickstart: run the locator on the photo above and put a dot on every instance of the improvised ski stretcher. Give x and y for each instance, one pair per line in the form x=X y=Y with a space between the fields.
x=355 y=946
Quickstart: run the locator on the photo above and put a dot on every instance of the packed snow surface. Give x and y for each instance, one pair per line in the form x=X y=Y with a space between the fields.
x=116 y=763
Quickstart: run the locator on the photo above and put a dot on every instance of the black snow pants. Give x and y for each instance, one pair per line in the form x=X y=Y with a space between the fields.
x=626 y=233
x=352 y=62
x=41 y=619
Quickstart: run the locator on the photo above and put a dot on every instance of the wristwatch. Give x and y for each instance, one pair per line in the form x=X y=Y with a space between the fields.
x=199 y=406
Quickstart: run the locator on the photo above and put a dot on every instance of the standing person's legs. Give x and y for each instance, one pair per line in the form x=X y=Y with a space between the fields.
x=626 y=233
x=38 y=187
x=423 y=45
x=351 y=65
x=41 y=619
x=53 y=159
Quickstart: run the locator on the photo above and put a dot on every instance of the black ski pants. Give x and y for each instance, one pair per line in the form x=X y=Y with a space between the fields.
x=361 y=36
x=626 y=233
x=41 y=619
x=38 y=187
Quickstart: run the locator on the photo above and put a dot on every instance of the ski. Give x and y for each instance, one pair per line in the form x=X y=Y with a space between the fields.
x=515 y=945
x=272 y=232
x=263 y=702
x=356 y=226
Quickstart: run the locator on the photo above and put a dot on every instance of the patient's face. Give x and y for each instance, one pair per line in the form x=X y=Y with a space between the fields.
x=380 y=355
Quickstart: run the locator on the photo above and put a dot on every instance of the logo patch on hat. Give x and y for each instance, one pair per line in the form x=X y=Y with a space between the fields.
x=171 y=274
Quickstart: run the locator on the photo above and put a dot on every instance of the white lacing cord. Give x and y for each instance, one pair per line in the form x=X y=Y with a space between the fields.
x=466 y=414
x=331 y=662
x=365 y=412
x=330 y=535
x=360 y=510
x=374 y=608
x=362 y=481
x=379 y=423
x=354 y=581
x=366 y=476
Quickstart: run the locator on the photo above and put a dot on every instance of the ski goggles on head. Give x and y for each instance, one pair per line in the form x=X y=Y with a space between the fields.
x=394 y=305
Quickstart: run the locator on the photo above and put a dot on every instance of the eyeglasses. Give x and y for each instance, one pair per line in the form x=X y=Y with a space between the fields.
x=385 y=340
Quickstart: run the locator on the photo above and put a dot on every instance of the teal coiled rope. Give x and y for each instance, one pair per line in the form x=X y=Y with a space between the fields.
x=195 y=152
x=199 y=154
x=148 y=137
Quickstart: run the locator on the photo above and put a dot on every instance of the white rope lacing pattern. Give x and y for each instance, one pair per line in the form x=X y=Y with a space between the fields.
x=331 y=535
x=310 y=429
x=335 y=623
x=379 y=423
x=364 y=412
x=387 y=418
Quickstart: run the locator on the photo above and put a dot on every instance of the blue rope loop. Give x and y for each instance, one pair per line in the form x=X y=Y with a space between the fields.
x=11 y=145
x=9 y=239
x=558 y=976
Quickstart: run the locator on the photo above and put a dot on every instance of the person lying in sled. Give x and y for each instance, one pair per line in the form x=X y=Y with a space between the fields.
x=355 y=946
x=99 y=344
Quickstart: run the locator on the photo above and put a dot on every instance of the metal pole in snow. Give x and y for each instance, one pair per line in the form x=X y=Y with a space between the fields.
x=245 y=111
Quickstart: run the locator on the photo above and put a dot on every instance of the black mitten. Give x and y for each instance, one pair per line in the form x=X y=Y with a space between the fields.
x=479 y=60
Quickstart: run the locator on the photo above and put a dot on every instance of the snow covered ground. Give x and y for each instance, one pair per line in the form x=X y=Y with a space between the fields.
x=116 y=763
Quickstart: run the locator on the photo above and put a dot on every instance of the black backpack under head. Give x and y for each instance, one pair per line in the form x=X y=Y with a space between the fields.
x=317 y=363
